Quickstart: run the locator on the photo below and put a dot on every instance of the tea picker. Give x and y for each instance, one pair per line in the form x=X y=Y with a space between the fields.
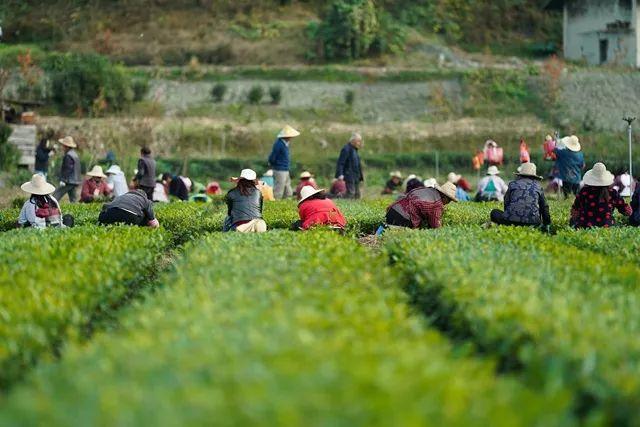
x=629 y=121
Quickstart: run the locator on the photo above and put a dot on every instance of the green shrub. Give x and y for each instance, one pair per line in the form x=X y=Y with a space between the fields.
x=255 y=95
x=562 y=311
x=140 y=87
x=9 y=154
x=349 y=97
x=78 y=272
x=275 y=92
x=318 y=335
x=79 y=80
x=218 y=91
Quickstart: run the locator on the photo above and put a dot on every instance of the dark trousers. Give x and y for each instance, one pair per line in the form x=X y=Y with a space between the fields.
x=69 y=189
x=497 y=216
x=569 y=188
x=119 y=216
x=353 y=188
x=147 y=190
x=394 y=218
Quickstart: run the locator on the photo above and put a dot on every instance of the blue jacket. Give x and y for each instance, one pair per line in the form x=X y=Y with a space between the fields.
x=570 y=165
x=279 y=158
x=349 y=164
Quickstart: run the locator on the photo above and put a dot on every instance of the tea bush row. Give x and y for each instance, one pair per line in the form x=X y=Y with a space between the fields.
x=52 y=284
x=276 y=329
x=561 y=310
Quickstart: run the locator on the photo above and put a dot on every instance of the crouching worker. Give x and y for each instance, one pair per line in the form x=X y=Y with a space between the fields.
x=132 y=208
x=316 y=209
x=244 y=205
x=42 y=209
x=524 y=202
x=422 y=207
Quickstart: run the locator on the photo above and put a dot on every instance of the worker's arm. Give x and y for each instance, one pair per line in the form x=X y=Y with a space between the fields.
x=544 y=209
x=142 y=169
x=86 y=194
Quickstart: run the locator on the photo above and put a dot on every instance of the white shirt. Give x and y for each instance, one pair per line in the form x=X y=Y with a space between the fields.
x=501 y=186
x=28 y=214
x=118 y=183
x=159 y=195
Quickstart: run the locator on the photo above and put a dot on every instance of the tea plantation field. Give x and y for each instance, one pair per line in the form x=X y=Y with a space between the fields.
x=189 y=326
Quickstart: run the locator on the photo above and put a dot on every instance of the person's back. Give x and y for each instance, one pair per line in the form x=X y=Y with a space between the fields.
x=570 y=164
x=40 y=212
x=133 y=208
x=244 y=207
x=421 y=206
x=71 y=168
x=492 y=187
x=523 y=202
x=320 y=211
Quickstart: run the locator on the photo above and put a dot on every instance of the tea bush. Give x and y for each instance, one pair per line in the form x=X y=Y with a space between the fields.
x=53 y=281
x=279 y=329
x=560 y=315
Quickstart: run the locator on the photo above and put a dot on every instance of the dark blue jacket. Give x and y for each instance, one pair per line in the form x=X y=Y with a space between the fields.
x=635 y=205
x=349 y=164
x=279 y=158
x=570 y=165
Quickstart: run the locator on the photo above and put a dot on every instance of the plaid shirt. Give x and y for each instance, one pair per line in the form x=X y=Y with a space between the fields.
x=422 y=206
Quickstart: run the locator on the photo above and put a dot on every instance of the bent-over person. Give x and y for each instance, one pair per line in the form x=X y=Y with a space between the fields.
x=422 y=207
x=132 y=208
x=316 y=209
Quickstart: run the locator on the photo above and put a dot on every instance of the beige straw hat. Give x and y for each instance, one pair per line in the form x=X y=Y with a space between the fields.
x=269 y=172
x=38 y=186
x=68 y=141
x=493 y=170
x=288 y=132
x=571 y=142
x=396 y=174
x=308 y=191
x=305 y=174
x=598 y=176
x=96 y=172
x=430 y=183
x=448 y=189
x=453 y=177
x=529 y=170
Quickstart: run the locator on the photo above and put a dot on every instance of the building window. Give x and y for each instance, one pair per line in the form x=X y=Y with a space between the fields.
x=604 y=50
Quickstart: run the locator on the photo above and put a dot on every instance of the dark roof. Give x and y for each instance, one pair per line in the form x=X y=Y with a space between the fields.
x=554 y=5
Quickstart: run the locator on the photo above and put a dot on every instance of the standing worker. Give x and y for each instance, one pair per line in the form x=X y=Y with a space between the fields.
x=570 y=163
x=280 y=162
x=70 y=172
x=131 y=208
x=146 y=176
x=349 y=167
x=43 y=150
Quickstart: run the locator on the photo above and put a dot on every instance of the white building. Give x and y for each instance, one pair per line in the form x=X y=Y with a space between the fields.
x=600 y=31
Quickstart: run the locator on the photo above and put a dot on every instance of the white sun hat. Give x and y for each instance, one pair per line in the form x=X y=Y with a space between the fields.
x=430 y=183
x=68 y=141
x=96 y=172
x=269 y=172
x=308 y=191
x=529 y=170
x=598 y=176
x=114 y=170
x=448 y=189
x=38 y=186
x=493 y=170
x=248 y=174
x=288 y=132
x=571 y=142
x=453 y=177
x=305 y=174
x=396 y=174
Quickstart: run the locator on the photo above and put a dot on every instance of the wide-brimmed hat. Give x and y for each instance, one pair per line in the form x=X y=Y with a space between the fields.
x=493 y=170
x=548 y=138
x=269 y=172
x=288 y=132
x=598 y=176
x=448 y=189
x=114 y=170
x=396 y=174
x=248 y=174
x=453 y=177
x=38 y=186
x=305 y=174
x=529 y=170
x=68 y=141
x=571 y=142
x=96 y=172
x=308 y=191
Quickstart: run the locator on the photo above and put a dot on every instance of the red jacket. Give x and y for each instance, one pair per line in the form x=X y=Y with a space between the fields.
x=320 y=212
x=89 y=186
